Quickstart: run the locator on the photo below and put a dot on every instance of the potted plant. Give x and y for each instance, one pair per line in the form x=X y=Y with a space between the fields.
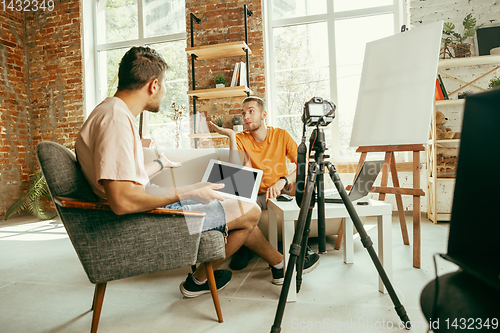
x=237 y=123
x=494 y=82
x=457 y=40
x=220 y=81
x=31 y=199
x=218 y=120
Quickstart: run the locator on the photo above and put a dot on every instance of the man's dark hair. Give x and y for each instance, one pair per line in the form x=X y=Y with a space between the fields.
x=139 y=66
x=259 y=100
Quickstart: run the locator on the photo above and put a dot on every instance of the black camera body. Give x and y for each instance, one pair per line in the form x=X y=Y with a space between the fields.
x=318 y=112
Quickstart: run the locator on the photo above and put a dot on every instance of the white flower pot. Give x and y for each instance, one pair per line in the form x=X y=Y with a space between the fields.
x=237 y=128
x=220 y=85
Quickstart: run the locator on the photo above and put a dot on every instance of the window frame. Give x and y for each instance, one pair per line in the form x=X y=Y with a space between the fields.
x=397 y=8
x=92 y=63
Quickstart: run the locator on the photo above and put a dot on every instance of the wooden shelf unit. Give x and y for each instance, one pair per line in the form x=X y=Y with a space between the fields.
x=207 y=135
x=215 y=51
x=222 y=50
x=432 y=180
x=242 y=91
x=449 y=102
x=469 y=61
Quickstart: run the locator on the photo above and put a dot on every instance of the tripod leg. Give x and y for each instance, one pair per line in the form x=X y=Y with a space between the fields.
x=367 y=243
x=303 y=249
x=295 y=247
x=320 y=186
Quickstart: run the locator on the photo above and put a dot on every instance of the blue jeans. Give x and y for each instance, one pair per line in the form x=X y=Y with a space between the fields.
x=215 y=218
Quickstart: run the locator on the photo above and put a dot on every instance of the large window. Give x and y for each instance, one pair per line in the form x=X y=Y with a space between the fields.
x=160 y=24
x=316 y=48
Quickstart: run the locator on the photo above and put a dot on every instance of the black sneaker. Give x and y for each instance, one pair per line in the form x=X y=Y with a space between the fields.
x=241 y=258
x=278 y=275
x=190 y=289
x=311 y=261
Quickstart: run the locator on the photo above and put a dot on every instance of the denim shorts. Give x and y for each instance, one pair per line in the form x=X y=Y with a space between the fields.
x=215 y=218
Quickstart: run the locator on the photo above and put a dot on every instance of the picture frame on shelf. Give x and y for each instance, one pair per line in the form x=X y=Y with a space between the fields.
x=487 y=38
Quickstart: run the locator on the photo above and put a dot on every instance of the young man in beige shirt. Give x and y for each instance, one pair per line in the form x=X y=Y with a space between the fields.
x=110 y=153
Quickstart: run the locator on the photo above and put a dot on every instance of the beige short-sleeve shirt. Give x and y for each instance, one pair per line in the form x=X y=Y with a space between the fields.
x=108 y=146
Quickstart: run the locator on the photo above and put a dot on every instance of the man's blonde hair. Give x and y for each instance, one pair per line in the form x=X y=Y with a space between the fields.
x=259 y=100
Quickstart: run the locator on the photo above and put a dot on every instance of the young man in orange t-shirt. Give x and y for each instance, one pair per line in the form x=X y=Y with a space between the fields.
x=266 y=148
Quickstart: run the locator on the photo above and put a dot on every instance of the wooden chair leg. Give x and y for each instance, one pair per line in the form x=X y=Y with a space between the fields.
x=213 y=289
x=97 y=305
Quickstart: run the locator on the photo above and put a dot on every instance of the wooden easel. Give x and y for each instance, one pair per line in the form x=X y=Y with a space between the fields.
x=416 y=191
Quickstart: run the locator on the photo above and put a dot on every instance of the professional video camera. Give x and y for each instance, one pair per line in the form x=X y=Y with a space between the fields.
x=318 y=112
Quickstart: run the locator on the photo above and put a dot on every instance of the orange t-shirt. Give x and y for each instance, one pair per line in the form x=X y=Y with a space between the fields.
x=270 y=155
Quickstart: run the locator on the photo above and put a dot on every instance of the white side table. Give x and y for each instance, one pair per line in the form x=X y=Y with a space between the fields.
x=288 y=212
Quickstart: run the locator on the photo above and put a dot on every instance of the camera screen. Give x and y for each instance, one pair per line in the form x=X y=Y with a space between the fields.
x=316 y=110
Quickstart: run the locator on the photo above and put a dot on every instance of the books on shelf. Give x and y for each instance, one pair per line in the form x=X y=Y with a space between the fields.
x=443 y=89
x=201 y=123
x=441 y=93
x=243 y=74
x=438 y=95
x=236 y=71
x=239 y=74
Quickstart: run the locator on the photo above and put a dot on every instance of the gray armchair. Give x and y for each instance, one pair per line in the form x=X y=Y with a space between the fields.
x=112 y=247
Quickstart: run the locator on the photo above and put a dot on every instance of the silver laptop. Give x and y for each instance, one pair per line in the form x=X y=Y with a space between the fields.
x=362 y=184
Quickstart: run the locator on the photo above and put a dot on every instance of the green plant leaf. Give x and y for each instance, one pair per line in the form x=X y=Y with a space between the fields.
x=18 y=206
x=40 y=213
x=448 y=27
x=220 y=79
x=469 y=33
x=469 y=22
x=494 y=82
x=30 y=200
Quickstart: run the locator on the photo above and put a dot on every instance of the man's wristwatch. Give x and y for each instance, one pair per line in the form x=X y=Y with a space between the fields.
x=160 y=163
x=286 y=180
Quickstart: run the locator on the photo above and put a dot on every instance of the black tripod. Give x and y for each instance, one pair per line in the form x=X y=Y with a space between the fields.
x=298 y=247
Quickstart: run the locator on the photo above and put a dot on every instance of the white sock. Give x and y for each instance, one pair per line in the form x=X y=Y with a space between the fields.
x=199 y=282
x=280 y=265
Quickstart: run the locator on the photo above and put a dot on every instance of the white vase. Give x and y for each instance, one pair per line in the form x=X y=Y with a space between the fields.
x=220 y=85
x=237 y=128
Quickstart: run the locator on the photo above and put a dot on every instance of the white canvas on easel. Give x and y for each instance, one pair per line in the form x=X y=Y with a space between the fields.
x=396 y=91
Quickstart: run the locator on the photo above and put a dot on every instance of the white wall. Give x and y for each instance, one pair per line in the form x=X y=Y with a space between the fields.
x=428 y=11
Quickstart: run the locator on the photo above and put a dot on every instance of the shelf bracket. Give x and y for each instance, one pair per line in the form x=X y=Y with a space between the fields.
x=197 y=20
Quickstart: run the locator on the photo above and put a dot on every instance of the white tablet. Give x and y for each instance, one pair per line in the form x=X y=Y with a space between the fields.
x=240 y=182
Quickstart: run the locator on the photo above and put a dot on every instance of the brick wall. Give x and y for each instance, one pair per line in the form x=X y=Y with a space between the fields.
x=223 y=21
x=41 y=79
x=16 y=161
x=56 y=73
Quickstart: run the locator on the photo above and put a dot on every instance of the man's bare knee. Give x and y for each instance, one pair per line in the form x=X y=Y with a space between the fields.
x=254 y=214
x=244 y=214
x=236 y=208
